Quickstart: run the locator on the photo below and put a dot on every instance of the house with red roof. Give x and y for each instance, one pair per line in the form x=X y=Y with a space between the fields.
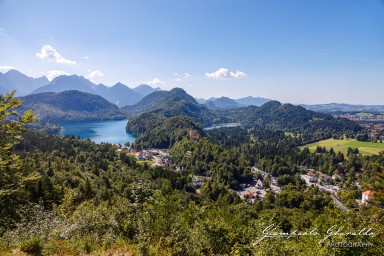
x=369 y=194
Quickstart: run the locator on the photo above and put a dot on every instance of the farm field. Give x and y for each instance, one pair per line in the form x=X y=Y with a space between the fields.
x=365 y=148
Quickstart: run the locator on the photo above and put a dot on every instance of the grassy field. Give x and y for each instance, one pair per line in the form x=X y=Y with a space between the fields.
x=365 y=148
x=291 y=134
x=363 y=114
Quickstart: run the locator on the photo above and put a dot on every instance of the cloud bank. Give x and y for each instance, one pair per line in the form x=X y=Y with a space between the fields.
x=224 y=73
x=55 y=73
x=50 y=53
x=96 y=73
x=156 y=82
x=6 y=68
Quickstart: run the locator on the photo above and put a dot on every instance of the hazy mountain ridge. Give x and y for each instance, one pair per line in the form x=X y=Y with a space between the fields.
x=252 y=101
x=122 y=95
x=119 y=94
x=15 y=80
x=222 y=103
x=342 y=107
x=228 y=103
x=145 y=89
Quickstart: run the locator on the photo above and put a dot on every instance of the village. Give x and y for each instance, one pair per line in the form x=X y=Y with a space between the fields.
x=256 y=190
x=155 y=157
x=374 y=124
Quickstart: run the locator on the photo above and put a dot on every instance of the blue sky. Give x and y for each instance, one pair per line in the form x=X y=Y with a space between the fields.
x=298 y=51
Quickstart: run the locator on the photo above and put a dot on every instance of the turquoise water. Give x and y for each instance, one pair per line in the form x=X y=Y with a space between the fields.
x=99 y=131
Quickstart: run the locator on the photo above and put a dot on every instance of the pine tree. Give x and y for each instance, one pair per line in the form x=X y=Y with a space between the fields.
x=12 y=176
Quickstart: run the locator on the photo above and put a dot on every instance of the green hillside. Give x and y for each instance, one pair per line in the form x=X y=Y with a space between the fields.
x=70 y=106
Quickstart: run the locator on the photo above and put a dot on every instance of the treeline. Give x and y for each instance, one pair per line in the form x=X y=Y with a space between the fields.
x=158 y=131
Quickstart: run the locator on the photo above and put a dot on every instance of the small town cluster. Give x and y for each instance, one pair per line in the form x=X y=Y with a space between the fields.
x=374 y=124
x=255 y=191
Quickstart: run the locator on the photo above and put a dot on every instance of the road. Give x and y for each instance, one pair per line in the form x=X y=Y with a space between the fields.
x=339 y=204
x=330 y=189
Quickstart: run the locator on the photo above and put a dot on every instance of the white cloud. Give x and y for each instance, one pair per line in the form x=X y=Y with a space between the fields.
x=186 y=75
x=156 y=81
x=55 y=73
x=86 y=57
x=50 y=53
x=224 y=73
x=93 y=74
x=178 y=80
x=6 y=68
x=238 y=74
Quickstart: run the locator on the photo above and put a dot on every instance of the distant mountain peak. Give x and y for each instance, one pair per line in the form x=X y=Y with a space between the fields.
x=225 y=98
x=142 y=86
x=255 y=101
x=120 y=85
x=178 y=90
x=14 y=71
x=222 y=103
x=23 y=84
x=72 y=77
x=271 y=104
x=145 y=89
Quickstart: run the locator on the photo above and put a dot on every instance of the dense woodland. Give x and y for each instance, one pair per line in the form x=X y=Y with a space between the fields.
x=306 y=125
x=66 y=196
x=70 y=106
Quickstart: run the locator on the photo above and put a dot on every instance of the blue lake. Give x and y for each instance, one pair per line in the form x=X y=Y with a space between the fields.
x=99 y=131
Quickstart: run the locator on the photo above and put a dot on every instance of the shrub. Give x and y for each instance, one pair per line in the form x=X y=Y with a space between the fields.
x=32 y=246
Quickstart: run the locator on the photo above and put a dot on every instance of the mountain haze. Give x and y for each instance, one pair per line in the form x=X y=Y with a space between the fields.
x=254 y=101
x=145 y=89
x=119 y=94
x=222 y=103
x=228 y=103
x=67 y=83
x=342 y=108
x=15 y=80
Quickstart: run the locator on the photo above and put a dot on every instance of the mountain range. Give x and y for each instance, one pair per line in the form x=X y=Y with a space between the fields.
x=121 y=95
x=118 y=94
x=15 y=80
x=228 y=103
x=337 y=108
x=75 y=98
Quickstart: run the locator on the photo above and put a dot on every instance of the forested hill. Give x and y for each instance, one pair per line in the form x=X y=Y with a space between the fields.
x=288 y=117
x=270 y=116
x=175 y=102
x=70 y=106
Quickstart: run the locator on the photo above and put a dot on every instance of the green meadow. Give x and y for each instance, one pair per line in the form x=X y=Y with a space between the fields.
x=365 y=148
